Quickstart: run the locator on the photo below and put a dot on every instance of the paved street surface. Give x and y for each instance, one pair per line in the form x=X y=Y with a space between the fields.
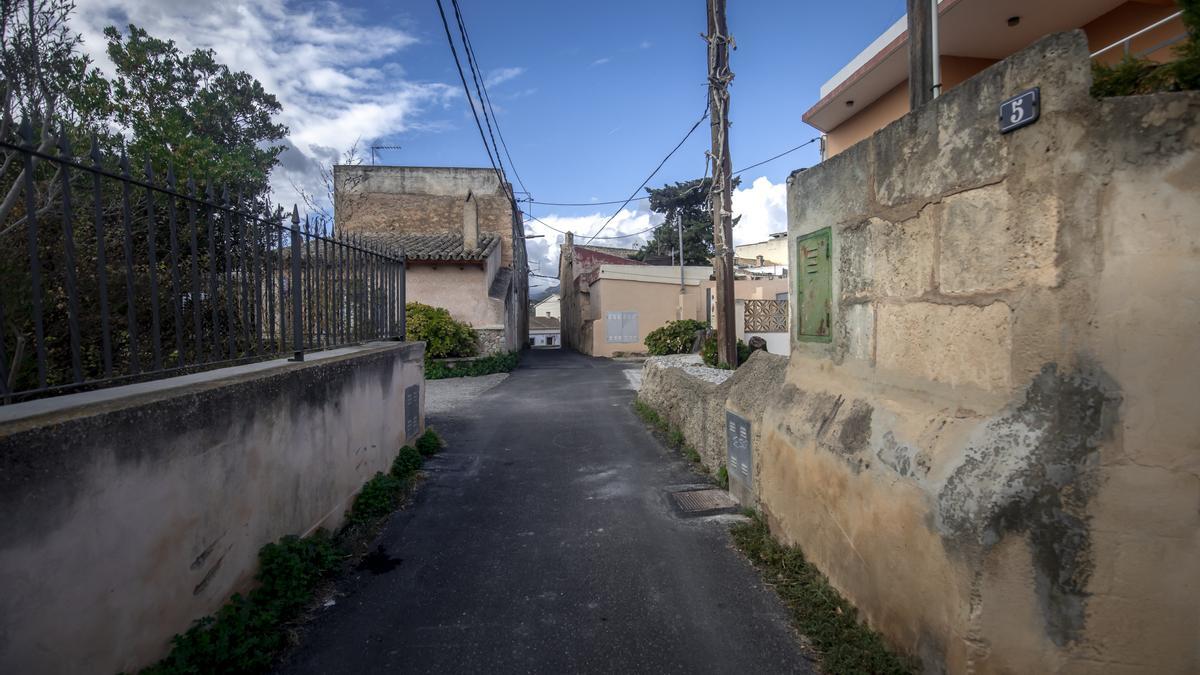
x=543 y=541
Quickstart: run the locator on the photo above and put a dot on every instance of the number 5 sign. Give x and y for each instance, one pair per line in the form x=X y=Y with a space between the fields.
x=1020 y=110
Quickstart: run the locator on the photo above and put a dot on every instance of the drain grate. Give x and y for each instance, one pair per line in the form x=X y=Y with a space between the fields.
x=694 y=502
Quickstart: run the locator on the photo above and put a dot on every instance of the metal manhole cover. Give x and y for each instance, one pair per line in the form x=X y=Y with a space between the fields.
x=694 y=502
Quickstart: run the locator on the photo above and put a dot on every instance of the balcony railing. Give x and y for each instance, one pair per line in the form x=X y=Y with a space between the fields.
x=1126 y=43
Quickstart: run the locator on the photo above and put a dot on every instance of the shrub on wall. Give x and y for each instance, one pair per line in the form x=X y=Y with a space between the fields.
x=709 y=353
x=444 y=337
x=1134 y=75
x=674 y=338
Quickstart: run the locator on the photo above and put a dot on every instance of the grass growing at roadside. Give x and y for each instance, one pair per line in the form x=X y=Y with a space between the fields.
x=249 y=631
x=649 y=415
x=819 y=612
x=429 y=443
x=723 y=477
x=674 y=435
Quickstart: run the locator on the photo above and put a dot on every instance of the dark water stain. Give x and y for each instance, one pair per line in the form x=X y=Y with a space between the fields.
x=1033 y=473
x=379 y=562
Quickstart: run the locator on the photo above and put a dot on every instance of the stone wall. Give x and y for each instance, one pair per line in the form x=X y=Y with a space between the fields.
x=997 y=456
x=130 y=512
x=492 y=341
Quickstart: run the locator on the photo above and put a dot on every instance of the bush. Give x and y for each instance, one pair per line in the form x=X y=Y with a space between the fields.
x=709 y=353
x=444 y=337
x=377 y=498
x=429 y=443
x=248 y=631
x=674 y=338
x=496 y=363
x=1133 y=75
x=407 y=462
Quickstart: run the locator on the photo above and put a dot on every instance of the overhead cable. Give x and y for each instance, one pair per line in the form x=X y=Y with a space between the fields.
x=678 y=145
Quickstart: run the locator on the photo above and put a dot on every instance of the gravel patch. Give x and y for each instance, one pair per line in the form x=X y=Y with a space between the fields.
x=451 y=394
x=692 y=364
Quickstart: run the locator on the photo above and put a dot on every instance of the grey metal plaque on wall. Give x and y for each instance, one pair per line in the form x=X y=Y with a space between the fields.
x=737 y=438
x=412 y=410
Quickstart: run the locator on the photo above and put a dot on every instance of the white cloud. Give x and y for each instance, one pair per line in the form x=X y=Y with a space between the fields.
x=646 y=44
x=327 y=65
x=501 y=75
x=602 y=61
x=627 y=222
x=763 y=208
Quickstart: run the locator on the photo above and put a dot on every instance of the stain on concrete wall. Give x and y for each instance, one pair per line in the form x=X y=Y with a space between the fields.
x=130 y=516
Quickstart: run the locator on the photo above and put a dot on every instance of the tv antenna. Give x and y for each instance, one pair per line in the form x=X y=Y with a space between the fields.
x=381 y=147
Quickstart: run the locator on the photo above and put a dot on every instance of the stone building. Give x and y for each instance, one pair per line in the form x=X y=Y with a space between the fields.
x=462 y=241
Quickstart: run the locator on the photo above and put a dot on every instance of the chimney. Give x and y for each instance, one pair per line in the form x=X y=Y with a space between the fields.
x=470 y=222
x=760 y=261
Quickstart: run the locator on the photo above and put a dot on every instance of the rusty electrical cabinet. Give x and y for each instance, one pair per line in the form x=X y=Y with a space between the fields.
x=814 y=286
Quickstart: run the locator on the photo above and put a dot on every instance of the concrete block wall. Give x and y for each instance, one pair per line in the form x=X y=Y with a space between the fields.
x=131 y=512
x=966 y=471
x=997 y=456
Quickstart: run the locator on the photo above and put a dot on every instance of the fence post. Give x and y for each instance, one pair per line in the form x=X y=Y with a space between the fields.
x=297 y=319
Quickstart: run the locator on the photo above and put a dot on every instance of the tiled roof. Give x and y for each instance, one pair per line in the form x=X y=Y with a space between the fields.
x=543 y=323
x=436 y=246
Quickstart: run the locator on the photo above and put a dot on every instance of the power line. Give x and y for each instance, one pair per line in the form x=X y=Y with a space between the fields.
x=653 y=173
x=615 y=201
x=623 y=236
x=810 y=141
x=467 y=89
x=739 y=171
x=487 y=97
x=481 y=95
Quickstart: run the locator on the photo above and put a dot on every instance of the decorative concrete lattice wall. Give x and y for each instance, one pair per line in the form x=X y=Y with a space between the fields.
x=766 y=316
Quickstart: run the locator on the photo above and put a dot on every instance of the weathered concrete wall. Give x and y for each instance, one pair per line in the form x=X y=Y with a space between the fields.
x=130 y=512
x=997 y=457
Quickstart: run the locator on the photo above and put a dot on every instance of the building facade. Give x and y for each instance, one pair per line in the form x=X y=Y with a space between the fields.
x=462 y=240
x=871 y=91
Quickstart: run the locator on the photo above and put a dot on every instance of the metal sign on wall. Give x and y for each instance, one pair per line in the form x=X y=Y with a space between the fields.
x=737 y=440
x=1021 y=110
x=412 y=410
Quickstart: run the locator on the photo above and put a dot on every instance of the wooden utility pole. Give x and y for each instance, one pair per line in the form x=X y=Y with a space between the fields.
x=920 y=53
x=719 y=77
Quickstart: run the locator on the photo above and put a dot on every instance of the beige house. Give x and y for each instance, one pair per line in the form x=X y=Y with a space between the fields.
x=456 y=227
x=610 y=303
x=871 y=90
x=548 y=306
x=772 y=252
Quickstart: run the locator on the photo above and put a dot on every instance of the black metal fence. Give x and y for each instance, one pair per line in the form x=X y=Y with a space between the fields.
x=108 y=277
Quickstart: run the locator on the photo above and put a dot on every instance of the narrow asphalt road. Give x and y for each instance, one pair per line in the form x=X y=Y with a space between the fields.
x=544 y=541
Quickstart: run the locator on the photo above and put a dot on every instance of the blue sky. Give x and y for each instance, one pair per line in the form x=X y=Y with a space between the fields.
x=590 y=96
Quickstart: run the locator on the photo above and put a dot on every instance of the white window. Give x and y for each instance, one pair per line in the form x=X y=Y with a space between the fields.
x=622 y=327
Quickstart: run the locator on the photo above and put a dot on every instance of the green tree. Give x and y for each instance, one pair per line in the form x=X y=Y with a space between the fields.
x=189 y=108
x=688 y=200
